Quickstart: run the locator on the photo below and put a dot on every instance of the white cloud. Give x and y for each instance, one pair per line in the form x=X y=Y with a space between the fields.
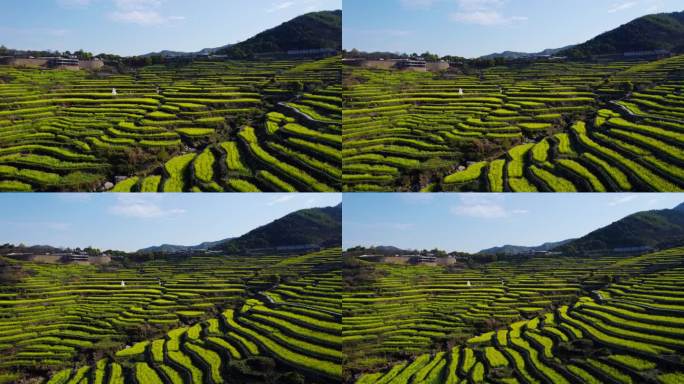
x=281 y=199
x=617 y=7
x=140 y=207
x=484 y=207
x=137 y=5
x=653 y=201
x=485 y=18
x=622 y=200
x=143 y=17
x=141 y=12
x=280 y=6
x=482 y=211
x=483 y=12
x=311 y=201
x=519 y=211
x=654 y=6
x=479 y=5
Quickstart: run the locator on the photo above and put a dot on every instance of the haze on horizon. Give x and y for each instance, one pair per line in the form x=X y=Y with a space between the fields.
x=136 y=27
x=129 y=221
x=471 y=222
x=473 y=28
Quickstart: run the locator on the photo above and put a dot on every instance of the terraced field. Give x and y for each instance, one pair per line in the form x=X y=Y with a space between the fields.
x=542 y=127
x=199 y=320
x=603 y=320
x=205 y=126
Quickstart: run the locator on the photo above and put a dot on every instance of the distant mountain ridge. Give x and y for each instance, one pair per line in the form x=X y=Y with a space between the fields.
x=174 y=54
x=520 y=55
x=320 y=227
x=655 y=228
x=518 y=249
x=662 y=31
x=172 y=248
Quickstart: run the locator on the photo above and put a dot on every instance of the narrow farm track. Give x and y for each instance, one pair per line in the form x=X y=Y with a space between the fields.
x=205 y=126
x=630 y=336
x=415 y=131
x=200 y=326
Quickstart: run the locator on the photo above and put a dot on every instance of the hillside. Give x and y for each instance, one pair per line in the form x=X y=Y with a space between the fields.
x=651 y=32
x=198 y=294
x=542 y=319
x=314 y=226
x=310 y=31
x=517 y=249
x=649 y=228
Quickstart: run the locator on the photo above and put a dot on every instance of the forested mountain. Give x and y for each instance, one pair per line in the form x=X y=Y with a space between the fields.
x=650 y=32
x=310 y=31
x=654 y=228
x=314 y=226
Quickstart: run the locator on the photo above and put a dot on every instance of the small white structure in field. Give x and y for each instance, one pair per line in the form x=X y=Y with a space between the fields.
x=123 y=283
x=468 y=283
x=158 y=90
x=460 y=91
x=502 y=282
x=113 y=91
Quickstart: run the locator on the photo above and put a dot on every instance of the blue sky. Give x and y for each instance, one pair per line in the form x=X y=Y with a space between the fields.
x=473 y=28
x=471 y=222
x=132 y=221
x=134 y=27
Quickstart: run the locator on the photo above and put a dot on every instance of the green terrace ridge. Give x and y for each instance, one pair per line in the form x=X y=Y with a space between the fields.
x=64 y=130
x=545 y=126
x=559 y=320
x=219 y=319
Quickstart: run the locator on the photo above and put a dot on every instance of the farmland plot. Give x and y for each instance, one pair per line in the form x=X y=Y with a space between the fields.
x=594 y=127
x=205 y=126
x=582 y=320
x=202 y=319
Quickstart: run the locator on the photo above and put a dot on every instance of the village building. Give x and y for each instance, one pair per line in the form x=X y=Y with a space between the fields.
x=57 y=62
x=411 y=65
x=63 y=62
x=418 y=64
